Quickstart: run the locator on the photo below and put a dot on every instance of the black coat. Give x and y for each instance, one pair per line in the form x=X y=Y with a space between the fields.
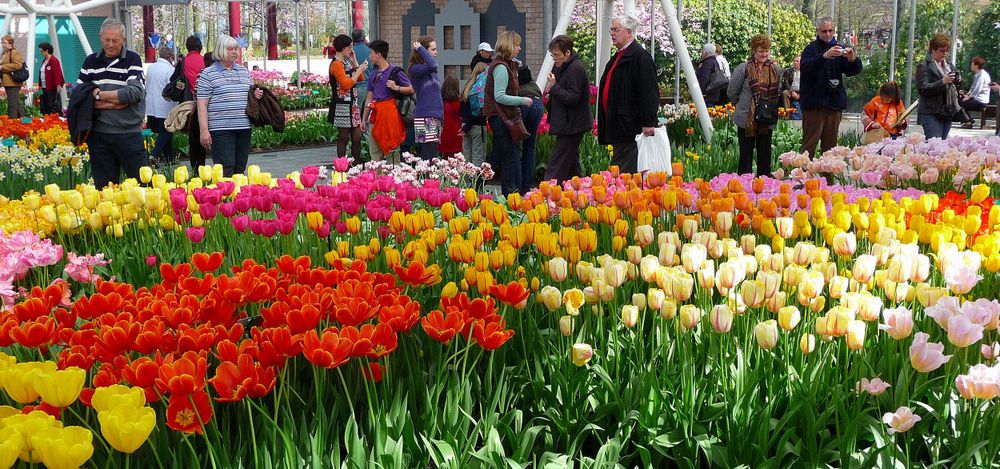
x=708 y=65
x=633 y=97
x=815 y=71
x=933 y=92
x=80 y=113
x=569 y=100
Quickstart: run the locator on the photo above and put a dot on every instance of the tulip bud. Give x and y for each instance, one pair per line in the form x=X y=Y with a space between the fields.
x=644 y=235
x=748 y=243
x=566 y=325
x=639 y=301
x=807 y=344
x=551 y=297
x=630 y=315
x=856 y=334
x=145 y=174
x=634 y=254
x=180 y=174
x=693 y=256
x=681 y=286
x=784 y=227
x=581 y=354
x=864 y=268
x=789 y=317
x=690 y=316
x=766 y=334
x=722 y=318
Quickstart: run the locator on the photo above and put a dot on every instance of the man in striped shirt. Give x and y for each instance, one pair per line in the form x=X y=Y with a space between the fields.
x=115 y=142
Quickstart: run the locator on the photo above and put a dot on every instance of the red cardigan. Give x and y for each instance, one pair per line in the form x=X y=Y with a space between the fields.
x=53 y=74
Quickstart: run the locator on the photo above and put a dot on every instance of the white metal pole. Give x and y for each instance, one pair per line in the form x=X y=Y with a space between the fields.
x=5 y=26
x=677 y=65
x=833 y=12
x=298 y=48
x=605 y=9
x=954 y=34
x=709 y=33
x=769 y=15
x=629 y=8
x=892 y=41
x=909 y=52
x=80 y=33
x=32 y=19
x=309 y=47
x=680 y=44
x=652 y=32
x=564 y=16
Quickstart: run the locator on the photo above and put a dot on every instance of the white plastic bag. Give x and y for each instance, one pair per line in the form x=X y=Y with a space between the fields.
x=654 y=151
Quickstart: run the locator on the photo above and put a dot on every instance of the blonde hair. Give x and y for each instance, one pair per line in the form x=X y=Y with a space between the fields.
x=8 y=38
x=479 y=68
x=507 y=44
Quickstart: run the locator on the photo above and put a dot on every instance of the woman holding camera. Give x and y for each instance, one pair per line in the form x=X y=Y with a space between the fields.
x=937 y=83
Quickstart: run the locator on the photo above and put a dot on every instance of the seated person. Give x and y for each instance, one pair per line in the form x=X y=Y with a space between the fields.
x=979 y=92
x=883 y=110
x=790 y=80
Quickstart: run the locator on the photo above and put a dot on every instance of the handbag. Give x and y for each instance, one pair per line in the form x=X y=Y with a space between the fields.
x=874 y=135
x=178 y=89
x=21 y=75
x=766 y=113
x=716 y=81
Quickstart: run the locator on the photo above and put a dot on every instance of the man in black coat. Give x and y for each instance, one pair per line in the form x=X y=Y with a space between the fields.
x=628 y=97
x=823 y=96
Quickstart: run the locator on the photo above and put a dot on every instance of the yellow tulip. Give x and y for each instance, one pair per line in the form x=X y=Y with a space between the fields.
x=581 y=354
x=67 y=448
x=551 y=297
x=789 y=317
x=573 y=299
x=855 y=334
x=690 y=316
x=807 y=344
x=60 y=388
x=979 y=193
x=668 y=309
x=126 y=428
x=630 y=315
x=766 y=333
x=110 y=397
x=180 y=174
x=25 y=427
x=10 y=446
x=145 y=174
x=19 y=380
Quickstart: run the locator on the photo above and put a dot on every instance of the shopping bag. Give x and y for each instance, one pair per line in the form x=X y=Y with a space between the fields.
x=654 y=151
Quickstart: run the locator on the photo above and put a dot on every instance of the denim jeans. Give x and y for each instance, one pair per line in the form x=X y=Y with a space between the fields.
x=508 y=155
x=532 y=116
x=231 y=149
x=164 y=148
x=111 y=153
x=934 y=126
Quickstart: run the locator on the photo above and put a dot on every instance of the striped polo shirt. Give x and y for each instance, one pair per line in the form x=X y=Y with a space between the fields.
x=226 y=92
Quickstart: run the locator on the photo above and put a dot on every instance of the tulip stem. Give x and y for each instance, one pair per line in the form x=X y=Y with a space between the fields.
x=347 y=394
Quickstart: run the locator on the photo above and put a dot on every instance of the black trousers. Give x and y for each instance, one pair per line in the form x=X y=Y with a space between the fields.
x=565 y=160
x=762 y=144
x=51 y=102
x=196 y=152
x=110 y=154
x=626 y=156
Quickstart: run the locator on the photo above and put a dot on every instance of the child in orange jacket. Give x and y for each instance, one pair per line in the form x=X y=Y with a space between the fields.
x=883 y=110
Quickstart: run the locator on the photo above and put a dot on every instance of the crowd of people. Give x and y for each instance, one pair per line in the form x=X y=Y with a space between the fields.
x=398 y=109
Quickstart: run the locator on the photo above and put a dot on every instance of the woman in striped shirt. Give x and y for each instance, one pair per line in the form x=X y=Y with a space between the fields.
x=223 y=90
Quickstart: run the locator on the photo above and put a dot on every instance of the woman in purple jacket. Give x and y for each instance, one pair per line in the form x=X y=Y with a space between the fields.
x=429 y=111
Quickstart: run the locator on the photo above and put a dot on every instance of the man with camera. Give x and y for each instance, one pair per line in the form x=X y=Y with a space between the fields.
x=822 y=94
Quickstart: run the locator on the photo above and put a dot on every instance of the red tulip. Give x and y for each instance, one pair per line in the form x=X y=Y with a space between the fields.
x=189 y=412
x=443 y=326
x=491 y=335
x=206 y=262
x=330 y=351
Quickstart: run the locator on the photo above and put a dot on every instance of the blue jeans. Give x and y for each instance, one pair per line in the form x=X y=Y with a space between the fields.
x=934 y=126
x=231 y=149
x=508 y=155
x=532 y=116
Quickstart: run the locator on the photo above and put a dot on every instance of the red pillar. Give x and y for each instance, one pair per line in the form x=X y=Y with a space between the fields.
x=358 y=14
x=147 y=30
x=272 y=31
x=234 y=24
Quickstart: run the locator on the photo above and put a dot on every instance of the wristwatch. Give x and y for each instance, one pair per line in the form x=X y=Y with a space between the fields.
x=97 y=96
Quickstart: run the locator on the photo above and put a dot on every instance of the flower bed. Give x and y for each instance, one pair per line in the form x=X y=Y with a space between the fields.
x=649 y=322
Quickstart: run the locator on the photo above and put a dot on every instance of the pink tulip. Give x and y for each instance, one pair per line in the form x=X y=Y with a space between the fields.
x=207 y=211
x=150 y=260
x=341 y=164
x=901 y=420
x=961 y=278
x=926 y=356
x=990 y=352
x=240 y=223
x=195 y=234
x=898 y=322
x=874 y=387
x=962 y=332
x=982 y=382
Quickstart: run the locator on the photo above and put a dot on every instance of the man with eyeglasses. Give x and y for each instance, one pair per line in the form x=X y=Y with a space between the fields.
x=822 y=94
x=115 y=142
x=628 y=97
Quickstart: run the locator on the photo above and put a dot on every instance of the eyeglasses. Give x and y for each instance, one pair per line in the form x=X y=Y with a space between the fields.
x=826 y=30
x=615 y=30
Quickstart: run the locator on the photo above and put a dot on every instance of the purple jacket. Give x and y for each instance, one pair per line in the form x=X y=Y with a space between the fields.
x=427 y=86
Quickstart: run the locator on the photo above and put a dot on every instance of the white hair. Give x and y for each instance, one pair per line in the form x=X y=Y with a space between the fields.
x=628 y=22
x=709 y=49
x=166 y=53
x=824 y=20
x=112 y=23
x=223 y=44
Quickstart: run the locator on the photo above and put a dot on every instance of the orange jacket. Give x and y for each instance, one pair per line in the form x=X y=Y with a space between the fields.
x=884 y=114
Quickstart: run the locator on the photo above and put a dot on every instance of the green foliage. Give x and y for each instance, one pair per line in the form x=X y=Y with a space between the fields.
x=734 y=22
x=982 y=38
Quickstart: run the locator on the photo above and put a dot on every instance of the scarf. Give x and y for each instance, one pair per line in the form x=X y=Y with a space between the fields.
x=763 y=87
x=951 y=105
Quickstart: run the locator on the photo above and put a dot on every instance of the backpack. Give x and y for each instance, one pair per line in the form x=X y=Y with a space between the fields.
x=476 y=95
x=405 y=103
x=177 y=90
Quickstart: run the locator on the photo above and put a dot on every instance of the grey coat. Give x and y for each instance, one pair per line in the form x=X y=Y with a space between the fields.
x=739 y=93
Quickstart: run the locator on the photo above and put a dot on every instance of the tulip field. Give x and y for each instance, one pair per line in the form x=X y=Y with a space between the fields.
x=844 y=315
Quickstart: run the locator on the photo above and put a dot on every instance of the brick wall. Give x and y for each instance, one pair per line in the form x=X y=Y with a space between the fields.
x=390 y=20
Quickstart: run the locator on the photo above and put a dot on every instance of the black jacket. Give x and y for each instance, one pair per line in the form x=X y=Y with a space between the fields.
x=633 y=97
x=708 y=65
x=478 y=58
x=815 y=73
x=569 y=100
x=80 y=113
x=933 y=92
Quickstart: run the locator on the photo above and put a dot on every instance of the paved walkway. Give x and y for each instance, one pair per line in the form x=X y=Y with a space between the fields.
x=281 y=162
